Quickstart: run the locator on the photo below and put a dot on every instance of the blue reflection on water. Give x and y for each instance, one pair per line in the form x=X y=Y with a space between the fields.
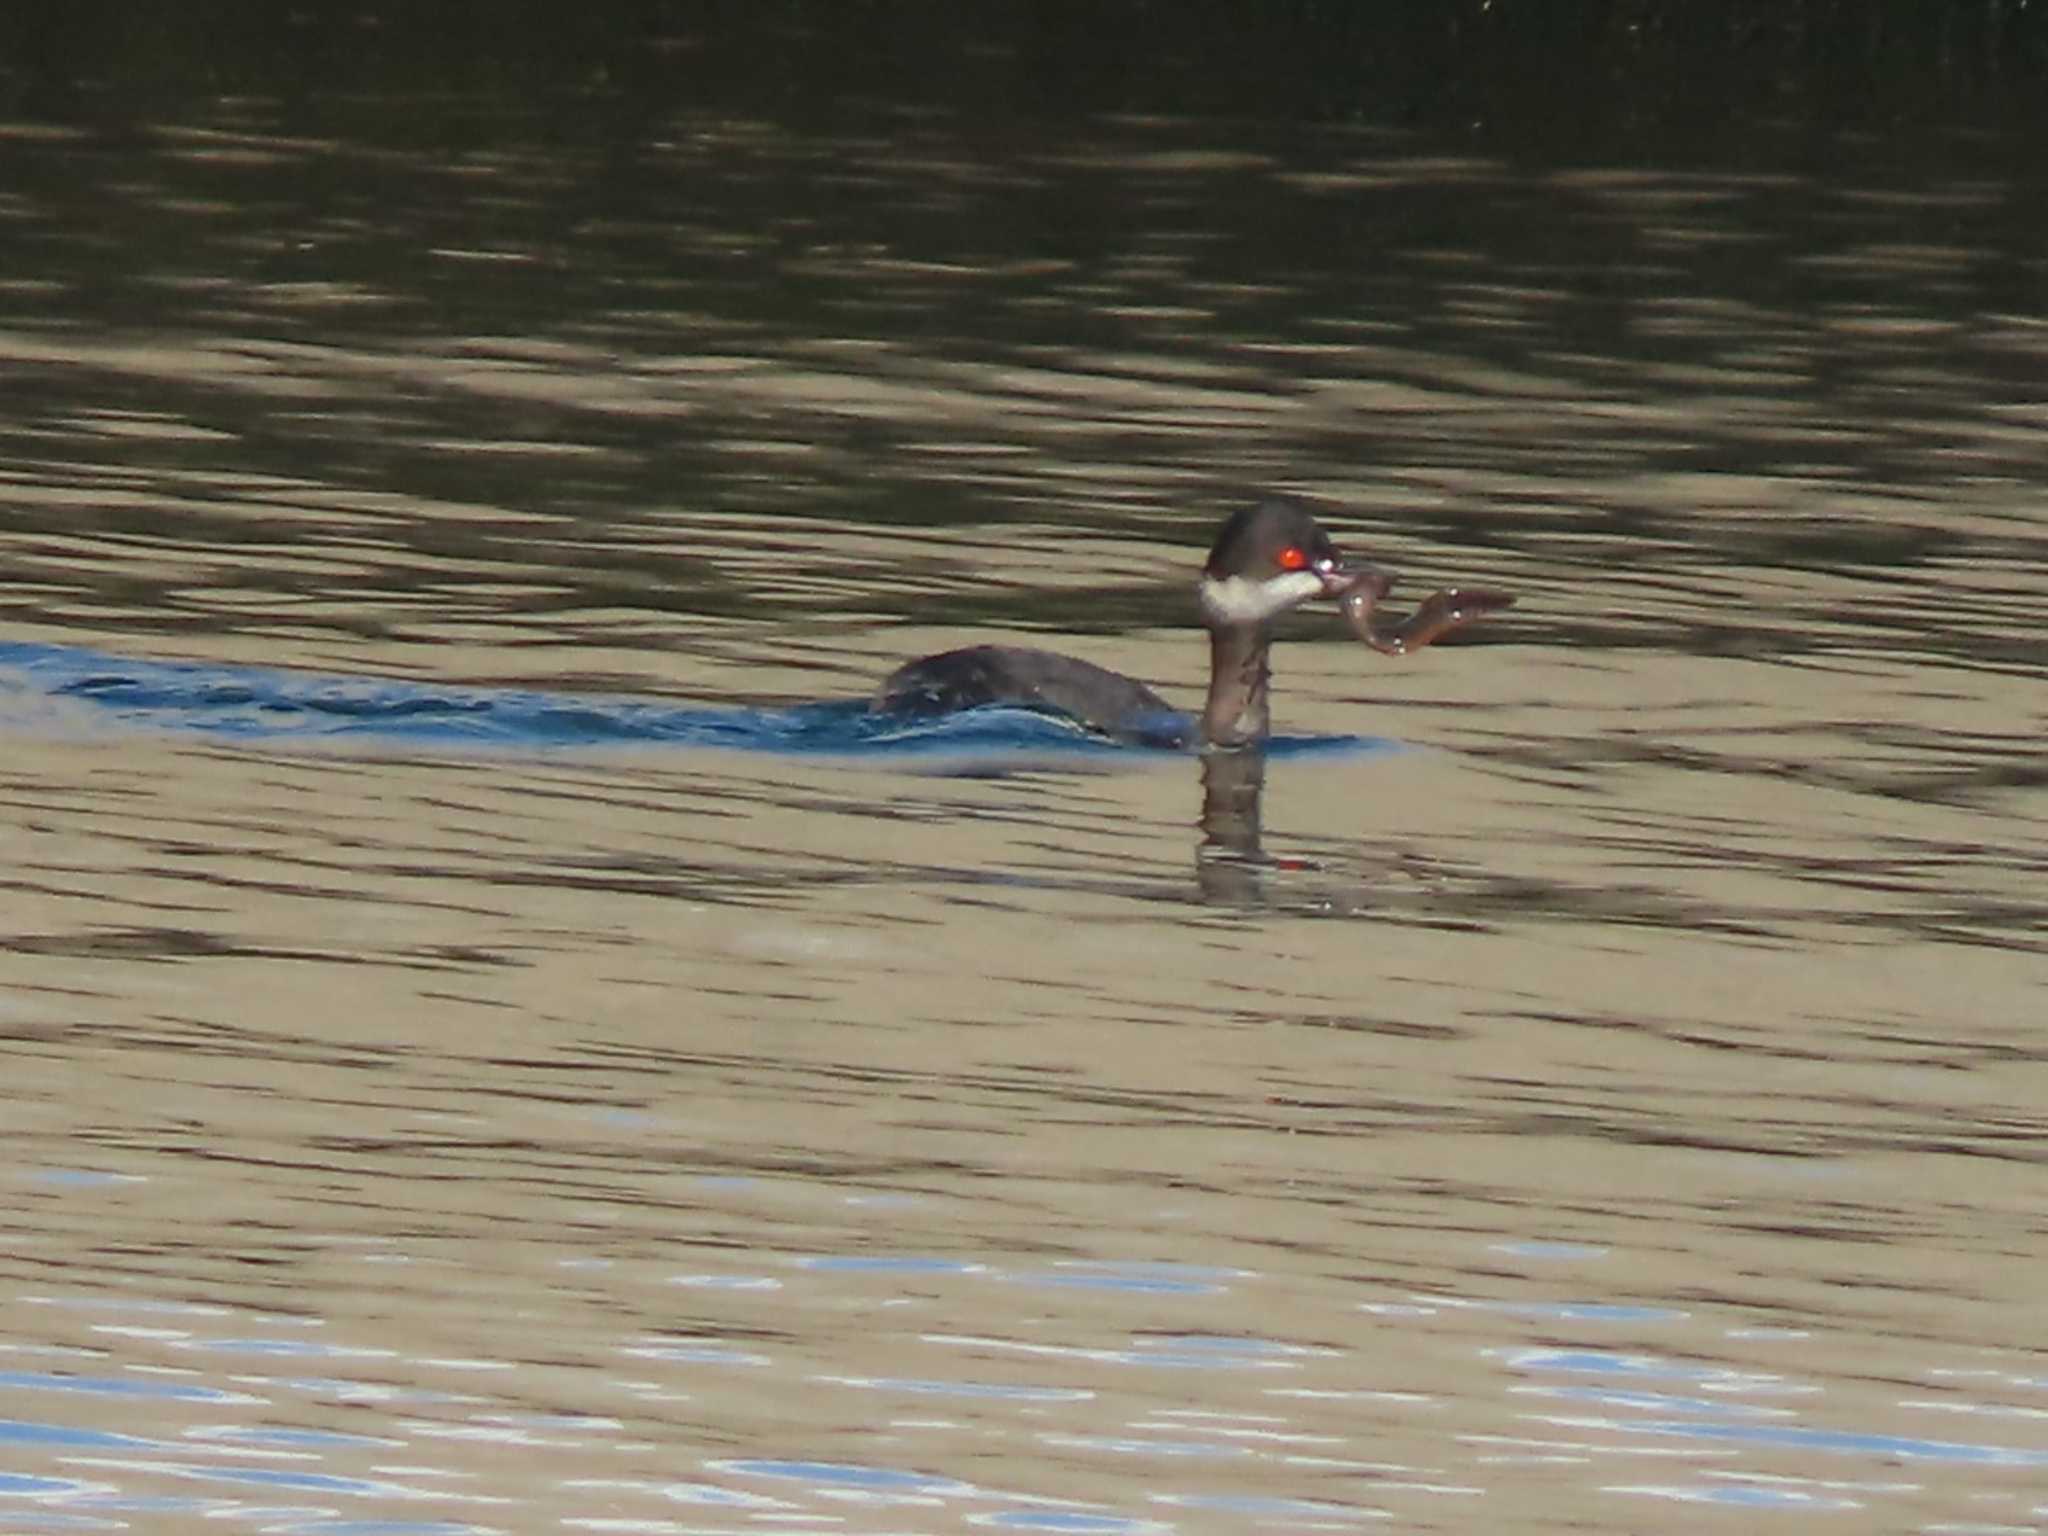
x=983 y=1389
x=286 y=1348
x=1549 y=1250
x=1661 y=1402
x=889 y=1264
x=21 y=1485
x=328 y=1527
x=1608 y=1363
x=264 y=703
x=256 y=1434
x=1746 y=1496
x=1125 y=1446
x=1212 y=1351
x=1903 y=1447
x=1137 y=1277
x=272 y=1477
x=1580 y=1311
x=118 y=1386
x=834 y=1474
x=1067 y=1522
x=21 y=1432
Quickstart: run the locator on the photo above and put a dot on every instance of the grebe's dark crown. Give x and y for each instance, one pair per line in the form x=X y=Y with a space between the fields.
x=1253 y=540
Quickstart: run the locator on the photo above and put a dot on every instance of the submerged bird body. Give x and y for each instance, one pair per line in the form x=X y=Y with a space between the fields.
x=1103 y=701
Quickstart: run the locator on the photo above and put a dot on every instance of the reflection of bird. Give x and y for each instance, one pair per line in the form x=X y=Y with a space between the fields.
x=1267 y=559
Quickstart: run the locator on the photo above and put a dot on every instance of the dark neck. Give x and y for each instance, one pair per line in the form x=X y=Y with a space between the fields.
x=1236 y=712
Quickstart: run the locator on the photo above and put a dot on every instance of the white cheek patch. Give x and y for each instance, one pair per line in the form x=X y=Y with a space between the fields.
x=1240 y=600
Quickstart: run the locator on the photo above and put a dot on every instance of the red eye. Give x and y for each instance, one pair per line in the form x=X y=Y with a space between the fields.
x=1292 y=558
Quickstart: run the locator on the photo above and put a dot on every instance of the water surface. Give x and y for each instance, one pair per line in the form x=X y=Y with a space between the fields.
x=1618 y=1110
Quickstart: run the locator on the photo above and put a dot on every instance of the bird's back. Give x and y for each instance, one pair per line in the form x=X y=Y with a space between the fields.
x=1101 y=700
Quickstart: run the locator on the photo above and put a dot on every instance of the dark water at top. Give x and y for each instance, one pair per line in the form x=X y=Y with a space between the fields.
x=1104 y=331
x=1620 y=1108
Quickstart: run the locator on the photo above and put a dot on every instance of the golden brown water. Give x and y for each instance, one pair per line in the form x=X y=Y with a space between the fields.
x=1621 y=1113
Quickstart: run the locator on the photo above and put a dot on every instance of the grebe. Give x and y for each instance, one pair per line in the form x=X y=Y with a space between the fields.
x=1267 y=559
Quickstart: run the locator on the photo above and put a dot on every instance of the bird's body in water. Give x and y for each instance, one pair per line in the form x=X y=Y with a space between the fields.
x=1266 y=560
x=1103 y=701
